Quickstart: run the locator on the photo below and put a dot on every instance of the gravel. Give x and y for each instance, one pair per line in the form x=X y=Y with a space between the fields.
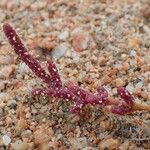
x=6 y=140
x=93 y=43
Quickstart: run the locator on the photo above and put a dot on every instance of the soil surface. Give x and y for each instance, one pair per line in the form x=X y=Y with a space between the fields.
x=92 y=42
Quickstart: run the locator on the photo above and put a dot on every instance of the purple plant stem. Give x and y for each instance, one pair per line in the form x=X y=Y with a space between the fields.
x=100 y=98
x=63 y=93
x=55 y=78
x=121 y=109
x=87 y=97
x=102 y=92
x=127 y=105
x=125 y=95
x=82 y=94
x=39 y=91
x=21 y=51
x=76 y=107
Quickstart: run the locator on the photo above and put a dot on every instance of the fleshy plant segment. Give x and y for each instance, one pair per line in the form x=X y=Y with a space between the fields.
x=21 y=51
x=125 y=106
x=55 y=88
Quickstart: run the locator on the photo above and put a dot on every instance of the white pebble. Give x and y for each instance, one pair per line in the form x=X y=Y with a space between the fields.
x=6 y=140
x=64 y=35
x=23 y=68
x=75 y=57
x=139 y=84
x=132 y=53
x=60 y=51
x=130 y=88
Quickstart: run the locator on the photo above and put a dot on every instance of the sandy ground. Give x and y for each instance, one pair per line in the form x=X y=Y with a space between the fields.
x=93 y=42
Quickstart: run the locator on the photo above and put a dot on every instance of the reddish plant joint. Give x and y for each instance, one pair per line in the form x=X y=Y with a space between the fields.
x=127 y=105
x=55 y=88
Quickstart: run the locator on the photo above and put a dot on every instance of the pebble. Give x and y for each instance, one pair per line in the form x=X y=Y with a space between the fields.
x=3 y=16
x=78 y=143
x=130 y=88
x=9 y=121
x=147 y=42
x=38 y=5
x=75 y=119
x=2 y=85
x=75 y=57
x=147 y=59
x=139 y=84
x=132 y=53
x=11 y=103
x=6 y=72
x=6 y=139
x=42 y=135
x=21 y=124
x=20 y=145
x=134 y=43
x=144 y=95
x=23 y=68
x=119 y=82
x=6 y=59
x=124 y=146
x=3 y=96
x=26 y=134
x=109 y=144
x=80 y=40
x=60 y=51
x=145 y=11
x=64 y=35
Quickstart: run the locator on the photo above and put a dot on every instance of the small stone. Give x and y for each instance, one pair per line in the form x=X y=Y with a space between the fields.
x=26 y=134
x=20 y=145
x=144 y=95
x=119 y=82
x=148 y=98
x=124 y=146
x=139 y=84
x=132 y=53
x=11 y=103
x=106 y=80
x=6 y=59
x=2 y=85
x=6 y=140
x=60 y=51
x=75 y=57
x=145 y=12
x=147 y=43
x=134 y=43
x=6 y=72
x=78 y=143
x=64 y=35
x=23 y=68
x=130 y=88
x=28 y=115
x=21 y=124
x=38 y=5
x=42 y=135
x=79 y=40
x=3 y=96
x=47 y=23
x=105 y=125
x=147 y=59
x=9 y=121
x=75 y=119
x=109 y=144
